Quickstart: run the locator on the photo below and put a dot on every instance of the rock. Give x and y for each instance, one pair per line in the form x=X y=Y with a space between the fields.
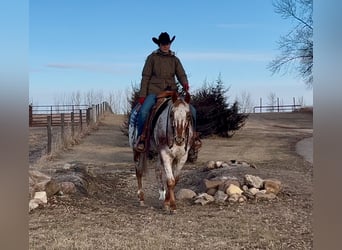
x=225 y=165
x=67 y=166
x=253 y=181
x=212 y=183
x=234 y=198
x=249 y=195
x=262 y=196
x=34 y=203
x=220 y=197
x=233 y=189
x=242 y=199
x=41 y=196
x=212 y=191
x=244 y=187
x=210 y=165
x=67 y=187
x=185 y=194
x=218 y=164
x=272 y=186
x=223 y=187
x=204 y=198
x=253 y=190
x=51 y=188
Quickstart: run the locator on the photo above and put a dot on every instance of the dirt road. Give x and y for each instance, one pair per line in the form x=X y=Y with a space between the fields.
x=108 y=216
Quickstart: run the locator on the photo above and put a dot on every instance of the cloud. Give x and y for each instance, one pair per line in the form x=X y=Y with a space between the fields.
x=110 y=68
x=226 y=56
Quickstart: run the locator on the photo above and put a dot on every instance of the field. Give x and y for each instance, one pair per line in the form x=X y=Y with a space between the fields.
x=107 y=214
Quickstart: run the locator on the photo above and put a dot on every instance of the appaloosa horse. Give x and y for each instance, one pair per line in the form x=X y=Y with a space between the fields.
x=171 y=138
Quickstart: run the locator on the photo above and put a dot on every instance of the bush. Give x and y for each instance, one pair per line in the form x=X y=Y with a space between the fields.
x=214 y=116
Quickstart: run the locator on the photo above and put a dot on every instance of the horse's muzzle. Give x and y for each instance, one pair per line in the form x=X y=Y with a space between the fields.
x=179 y=140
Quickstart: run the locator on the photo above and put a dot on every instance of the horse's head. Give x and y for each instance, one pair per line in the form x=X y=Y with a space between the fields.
x=180 y=118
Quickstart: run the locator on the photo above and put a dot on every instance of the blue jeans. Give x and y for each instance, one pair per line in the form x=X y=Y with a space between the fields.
x=146 y=108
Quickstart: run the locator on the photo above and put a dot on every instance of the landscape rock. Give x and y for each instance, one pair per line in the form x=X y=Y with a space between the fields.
x=272 y=186
x=41 y=196
x=223 y=187
x=233 y=189
x=67 y=187
x=234 y=198
x=262 y=196
x=253 y=181
x=204 y=199
x=253 y=190
x=248 y=194
x=220 y=197
x=185 y=194
x=242 y=199
x=213 y=183
x=51 y=188
x=34 y=203
x=210 y=165
x=212 y=191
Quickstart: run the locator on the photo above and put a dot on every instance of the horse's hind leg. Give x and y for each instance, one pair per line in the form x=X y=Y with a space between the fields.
x=139 y=168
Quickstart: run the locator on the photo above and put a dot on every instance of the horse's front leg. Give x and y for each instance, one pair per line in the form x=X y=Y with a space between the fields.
x=159 y=176
x=166 y=162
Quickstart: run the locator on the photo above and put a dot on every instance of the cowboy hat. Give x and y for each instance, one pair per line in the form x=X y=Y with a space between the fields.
x=164 y=38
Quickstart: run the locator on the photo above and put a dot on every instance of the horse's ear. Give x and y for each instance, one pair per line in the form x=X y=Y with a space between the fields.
x=187 y=97
x=174 y=96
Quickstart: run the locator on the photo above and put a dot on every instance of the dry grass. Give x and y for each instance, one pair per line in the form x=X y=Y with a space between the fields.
x=109 y=217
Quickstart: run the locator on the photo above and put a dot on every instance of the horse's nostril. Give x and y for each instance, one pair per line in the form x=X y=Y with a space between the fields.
x=179 y=139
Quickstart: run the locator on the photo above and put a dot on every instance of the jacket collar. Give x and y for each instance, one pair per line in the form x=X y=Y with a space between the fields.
x=159 y=52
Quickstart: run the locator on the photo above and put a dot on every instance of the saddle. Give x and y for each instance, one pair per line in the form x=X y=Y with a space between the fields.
x=159 y=106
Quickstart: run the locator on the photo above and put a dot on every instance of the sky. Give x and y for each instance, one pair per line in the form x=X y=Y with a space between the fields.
x=88 y=45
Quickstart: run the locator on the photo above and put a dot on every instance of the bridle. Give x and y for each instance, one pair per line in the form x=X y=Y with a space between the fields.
x=178 y=129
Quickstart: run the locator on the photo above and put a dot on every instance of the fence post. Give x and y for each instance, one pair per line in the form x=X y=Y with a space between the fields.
x=62 y=128
x=278 y=103
x=294 y=104
x=80 y=113
x=49 y=133
x=30 y=115
x=88 y=116
x=72 y=125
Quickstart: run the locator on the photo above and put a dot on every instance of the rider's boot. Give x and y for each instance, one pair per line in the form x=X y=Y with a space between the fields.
x=140 y=145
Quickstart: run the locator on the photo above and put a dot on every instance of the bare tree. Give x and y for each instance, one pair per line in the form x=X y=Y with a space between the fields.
x=245 y=102
x=272 y=101
x=76 y=98
x=296 y=47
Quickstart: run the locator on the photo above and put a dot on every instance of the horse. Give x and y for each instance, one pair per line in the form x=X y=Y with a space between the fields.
x=171 y=139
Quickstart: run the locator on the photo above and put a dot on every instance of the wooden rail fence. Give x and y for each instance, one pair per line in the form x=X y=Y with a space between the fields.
x=65 y=116
x=277 y=107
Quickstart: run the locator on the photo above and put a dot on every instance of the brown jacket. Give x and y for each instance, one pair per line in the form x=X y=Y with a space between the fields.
x=159 y=73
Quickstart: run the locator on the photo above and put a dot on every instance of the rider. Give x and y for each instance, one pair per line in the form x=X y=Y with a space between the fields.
x=158 y=74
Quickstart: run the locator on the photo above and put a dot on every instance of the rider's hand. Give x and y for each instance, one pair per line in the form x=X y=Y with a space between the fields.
x=141 y=100
x=186 y=87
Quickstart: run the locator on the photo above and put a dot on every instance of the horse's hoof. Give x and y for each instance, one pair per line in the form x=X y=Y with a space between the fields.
x=142 y=204
x=173 y=211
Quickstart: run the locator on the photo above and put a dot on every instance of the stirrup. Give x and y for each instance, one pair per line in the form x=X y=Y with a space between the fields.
x=140 y=146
